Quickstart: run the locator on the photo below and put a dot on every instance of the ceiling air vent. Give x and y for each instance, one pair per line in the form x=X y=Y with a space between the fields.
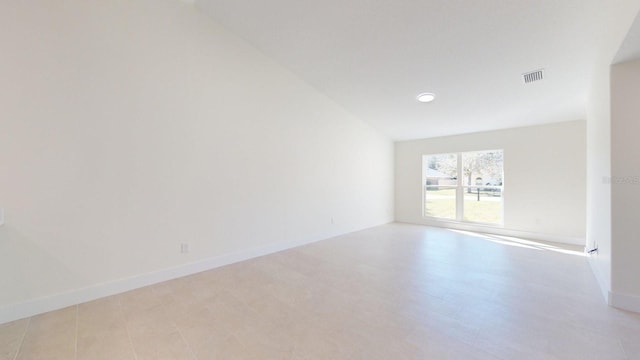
x=533 y=76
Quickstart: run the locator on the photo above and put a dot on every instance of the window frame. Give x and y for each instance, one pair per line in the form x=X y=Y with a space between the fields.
x=460 y=188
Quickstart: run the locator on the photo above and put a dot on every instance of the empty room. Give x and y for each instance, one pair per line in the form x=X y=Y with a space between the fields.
x=360 y=179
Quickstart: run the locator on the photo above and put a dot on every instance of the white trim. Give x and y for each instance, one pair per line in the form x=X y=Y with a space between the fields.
x=624 y=301
x=602 y=284
x=459 y=187
x=54 y=302
x=481 y=228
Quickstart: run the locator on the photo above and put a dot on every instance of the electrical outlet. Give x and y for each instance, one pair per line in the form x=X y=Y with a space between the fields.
x=184 y=248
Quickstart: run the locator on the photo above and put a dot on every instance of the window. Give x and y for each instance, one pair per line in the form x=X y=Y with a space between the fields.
x=464 y=186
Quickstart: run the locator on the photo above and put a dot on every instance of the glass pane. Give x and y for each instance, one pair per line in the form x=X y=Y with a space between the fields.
x=441 y=167
x=482 y=168
x=440 y=202
x=483 y=204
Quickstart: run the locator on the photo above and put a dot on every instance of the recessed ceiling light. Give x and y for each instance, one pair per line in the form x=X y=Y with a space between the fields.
x=426 y=97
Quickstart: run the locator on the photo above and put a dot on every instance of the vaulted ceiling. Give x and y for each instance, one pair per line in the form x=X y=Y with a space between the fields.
x=374 y=57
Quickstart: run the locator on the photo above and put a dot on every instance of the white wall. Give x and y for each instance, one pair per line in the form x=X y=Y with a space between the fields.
x=625 y=184
x=545 y=186
x=598 y=171
x=613 y=38
x=130 y=127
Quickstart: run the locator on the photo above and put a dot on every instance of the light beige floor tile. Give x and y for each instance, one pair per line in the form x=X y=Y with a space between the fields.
x=568 y=342
x=111 y=344
x=136 y=301
x=261 y=341
x=318 y=346
x=51 y=336
x=631 y=349
x=99 y=316
x=232 y=348
x=390 y=292
x=102 y=330
x=206 y=340
x=157 y=345
x=11 y=336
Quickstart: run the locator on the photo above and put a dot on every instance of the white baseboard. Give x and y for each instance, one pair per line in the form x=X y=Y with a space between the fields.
x=600 y=279
x=487 y=229
x=624 y=301
x=54 y=302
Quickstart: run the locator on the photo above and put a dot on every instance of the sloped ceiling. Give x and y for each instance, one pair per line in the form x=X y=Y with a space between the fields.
x=630 y=49
x=374 y=57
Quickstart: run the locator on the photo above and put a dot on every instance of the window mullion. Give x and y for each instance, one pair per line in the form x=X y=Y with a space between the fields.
x=460 y=191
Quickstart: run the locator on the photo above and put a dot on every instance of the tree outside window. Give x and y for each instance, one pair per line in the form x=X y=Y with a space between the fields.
x=476 y=196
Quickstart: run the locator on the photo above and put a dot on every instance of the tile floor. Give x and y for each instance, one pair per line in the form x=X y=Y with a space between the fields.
x=391 y=292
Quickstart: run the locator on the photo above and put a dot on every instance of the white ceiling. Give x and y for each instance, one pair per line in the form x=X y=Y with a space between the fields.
x=630 y=48
x=374 y=56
